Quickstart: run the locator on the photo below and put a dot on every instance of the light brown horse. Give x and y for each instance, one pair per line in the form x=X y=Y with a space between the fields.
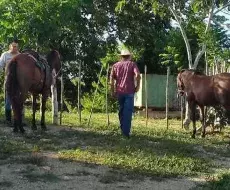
x=25 y=74
x=202 y=90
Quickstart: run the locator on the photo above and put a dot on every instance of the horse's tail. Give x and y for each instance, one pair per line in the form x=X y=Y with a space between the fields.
x=11 y=79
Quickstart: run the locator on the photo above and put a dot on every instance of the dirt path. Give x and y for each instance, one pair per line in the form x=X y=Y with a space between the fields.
x=59 y=175
x=17 y=173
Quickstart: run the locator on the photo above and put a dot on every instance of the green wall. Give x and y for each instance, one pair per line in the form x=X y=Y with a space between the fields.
x=156 y=90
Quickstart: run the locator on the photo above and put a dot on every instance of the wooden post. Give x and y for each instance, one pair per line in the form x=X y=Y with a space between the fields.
x=167 y=101
x=106 y=93
x=79 y=92
x=54 y=101
x=224 y=67
x=206 y=63
x=95 y=93
x=62 y=100
x=146 y=98
x=182 y=110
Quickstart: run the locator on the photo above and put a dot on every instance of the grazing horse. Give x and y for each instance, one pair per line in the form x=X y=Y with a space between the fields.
x=202 y=90
x=29 y=72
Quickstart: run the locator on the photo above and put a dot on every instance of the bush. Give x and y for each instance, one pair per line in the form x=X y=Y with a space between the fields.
x=99 y=99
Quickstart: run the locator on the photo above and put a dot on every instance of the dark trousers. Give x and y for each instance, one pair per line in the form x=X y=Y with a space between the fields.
x=7 y=108
x=126 y=104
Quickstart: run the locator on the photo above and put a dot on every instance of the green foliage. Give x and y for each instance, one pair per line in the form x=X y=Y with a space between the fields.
x=171 y=58
x=87 y=32
x=100 y=98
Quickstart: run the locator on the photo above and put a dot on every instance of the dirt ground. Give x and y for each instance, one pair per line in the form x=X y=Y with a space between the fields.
x=57 y=174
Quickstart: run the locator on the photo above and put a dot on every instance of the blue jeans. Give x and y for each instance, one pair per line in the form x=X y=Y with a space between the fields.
x=7 y=103
x=126 y=104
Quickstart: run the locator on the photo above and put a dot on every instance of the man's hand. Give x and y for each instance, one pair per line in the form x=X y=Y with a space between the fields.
x=137 y=88
x=113 y=93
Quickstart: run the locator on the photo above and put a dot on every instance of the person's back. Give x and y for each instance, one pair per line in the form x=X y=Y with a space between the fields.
x=124 y=72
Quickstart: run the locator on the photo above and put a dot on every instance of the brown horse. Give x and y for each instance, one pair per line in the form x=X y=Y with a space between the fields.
x=28 y=72
x=202 y=90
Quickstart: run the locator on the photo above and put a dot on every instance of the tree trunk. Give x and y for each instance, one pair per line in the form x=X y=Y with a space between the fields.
x=187 y=120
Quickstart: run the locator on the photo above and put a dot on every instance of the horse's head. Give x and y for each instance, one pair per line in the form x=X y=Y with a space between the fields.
x=180 y=83
x=183 y=79
x=54 y=61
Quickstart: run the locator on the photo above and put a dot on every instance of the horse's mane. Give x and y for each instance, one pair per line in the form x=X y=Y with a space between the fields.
x=195 y=72
x=32 y=52
x=51 y=55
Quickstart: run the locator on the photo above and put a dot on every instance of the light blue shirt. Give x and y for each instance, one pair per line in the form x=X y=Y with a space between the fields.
x=6 y=58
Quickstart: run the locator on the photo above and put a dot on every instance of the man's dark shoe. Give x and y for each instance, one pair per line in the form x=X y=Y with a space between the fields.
x=9 y=123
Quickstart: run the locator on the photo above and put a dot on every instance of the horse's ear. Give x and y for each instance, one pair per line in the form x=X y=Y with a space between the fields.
x=197 y=72
x=182 y=70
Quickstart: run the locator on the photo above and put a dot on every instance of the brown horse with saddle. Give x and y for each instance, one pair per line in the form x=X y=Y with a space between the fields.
x=29 y=72
x=202 y=90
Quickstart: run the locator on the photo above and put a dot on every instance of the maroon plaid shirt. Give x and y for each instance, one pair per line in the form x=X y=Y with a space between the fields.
x=123 y=73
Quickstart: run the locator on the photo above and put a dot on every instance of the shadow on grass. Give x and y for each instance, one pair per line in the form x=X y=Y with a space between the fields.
x=33 y=174
x=154 y=147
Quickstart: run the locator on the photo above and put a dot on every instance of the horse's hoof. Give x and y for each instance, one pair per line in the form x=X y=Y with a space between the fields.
x=15 y=130
x=193 y=136
x=22 y=131
x=24 y=124
x=43 y=127
x=9 y=124
x=34 y=127
x=203 y=136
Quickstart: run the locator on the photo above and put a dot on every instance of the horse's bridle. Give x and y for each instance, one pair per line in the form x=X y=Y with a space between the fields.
x=56 y=75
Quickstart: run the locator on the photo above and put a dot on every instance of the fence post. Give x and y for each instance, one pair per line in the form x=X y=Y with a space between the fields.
x=62 y=100
x=95 y=93
x=79 y=92
x=167 y=99
x=146 y=98
x=106 y=93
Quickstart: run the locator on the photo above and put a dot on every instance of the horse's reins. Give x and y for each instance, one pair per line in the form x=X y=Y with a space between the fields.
x=56 y=75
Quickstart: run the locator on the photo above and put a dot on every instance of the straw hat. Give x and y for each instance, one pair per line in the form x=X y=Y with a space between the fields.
x=125 y=52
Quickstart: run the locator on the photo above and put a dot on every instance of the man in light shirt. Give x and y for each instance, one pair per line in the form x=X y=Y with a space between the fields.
x=4 y=60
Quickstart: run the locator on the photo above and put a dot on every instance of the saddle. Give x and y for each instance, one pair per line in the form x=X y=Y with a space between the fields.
x=41 y=63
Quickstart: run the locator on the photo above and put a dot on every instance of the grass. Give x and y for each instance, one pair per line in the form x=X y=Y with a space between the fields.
x=151 y=151
x=34 y=159
x=6 y=184
x=218 y=182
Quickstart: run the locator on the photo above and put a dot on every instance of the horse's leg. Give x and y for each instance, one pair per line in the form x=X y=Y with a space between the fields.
x=43 y=108
x=203 y=119
x=20 y=117
x=187 y=119
x=34 y=126
x=17 y=105
x=192 y=106
x=15 y=114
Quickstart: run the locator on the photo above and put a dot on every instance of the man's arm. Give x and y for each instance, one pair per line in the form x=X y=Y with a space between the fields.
x=2 y=61
x=137 y=77
x=112 y=82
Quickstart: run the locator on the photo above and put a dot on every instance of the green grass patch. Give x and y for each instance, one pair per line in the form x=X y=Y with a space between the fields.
x=6 y=184
x=219 y=182
x=142 y=161
x=152 y=150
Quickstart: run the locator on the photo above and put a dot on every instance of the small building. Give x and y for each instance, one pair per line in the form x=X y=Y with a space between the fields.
x=156 y=92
